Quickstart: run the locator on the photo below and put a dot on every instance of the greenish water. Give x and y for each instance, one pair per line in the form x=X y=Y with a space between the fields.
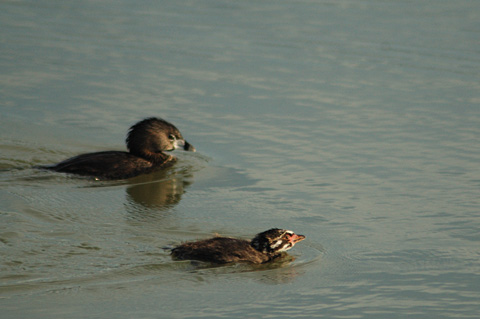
x=356 y=123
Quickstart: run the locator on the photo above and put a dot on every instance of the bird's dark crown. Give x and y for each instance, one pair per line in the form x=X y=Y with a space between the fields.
x=152 y=135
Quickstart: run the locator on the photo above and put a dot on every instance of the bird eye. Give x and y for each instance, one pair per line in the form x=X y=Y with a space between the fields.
x=171 y=137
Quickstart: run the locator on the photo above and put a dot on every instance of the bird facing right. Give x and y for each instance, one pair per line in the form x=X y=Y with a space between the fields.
x=263 y=248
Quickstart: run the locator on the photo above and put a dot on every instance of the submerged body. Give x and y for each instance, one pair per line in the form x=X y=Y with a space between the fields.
x=146 y=141
x=263 y=248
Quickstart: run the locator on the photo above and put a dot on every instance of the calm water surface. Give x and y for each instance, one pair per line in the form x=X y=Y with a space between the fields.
x=356 y=123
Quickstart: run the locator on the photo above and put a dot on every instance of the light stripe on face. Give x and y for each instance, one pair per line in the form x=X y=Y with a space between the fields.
x=283 y=244
x=286 y=247
x=277 y=243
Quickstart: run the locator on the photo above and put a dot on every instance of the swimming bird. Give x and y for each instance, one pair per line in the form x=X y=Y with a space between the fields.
x=146 y=142
x=263 y=248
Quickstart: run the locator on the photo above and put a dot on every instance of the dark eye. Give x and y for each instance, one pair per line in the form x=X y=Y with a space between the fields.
x=171 y=137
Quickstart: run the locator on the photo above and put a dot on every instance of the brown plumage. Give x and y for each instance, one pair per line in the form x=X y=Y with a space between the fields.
x=146 y=141
x=263 y=248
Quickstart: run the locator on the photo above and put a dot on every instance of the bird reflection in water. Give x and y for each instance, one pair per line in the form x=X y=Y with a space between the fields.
x=156 y=192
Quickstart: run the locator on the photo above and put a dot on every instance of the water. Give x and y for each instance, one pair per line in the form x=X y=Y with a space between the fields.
x=356 y=123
